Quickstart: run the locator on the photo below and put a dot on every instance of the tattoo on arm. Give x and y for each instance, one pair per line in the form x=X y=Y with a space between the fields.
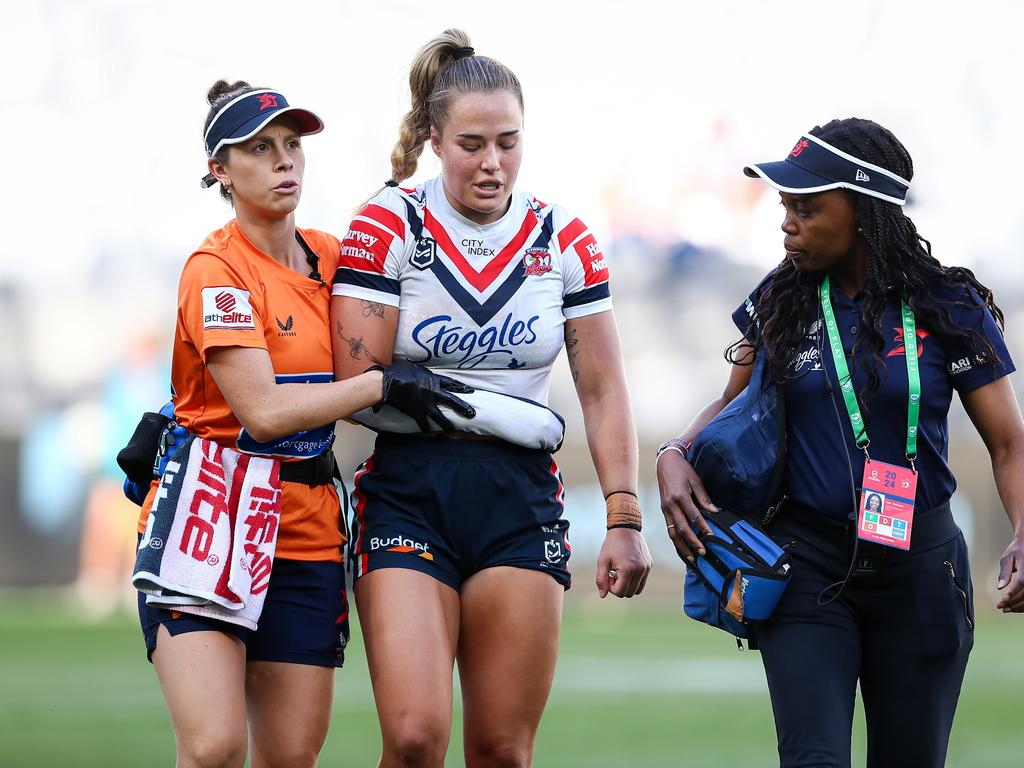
x=356 y=346
x=571 y=352
x=372 y=309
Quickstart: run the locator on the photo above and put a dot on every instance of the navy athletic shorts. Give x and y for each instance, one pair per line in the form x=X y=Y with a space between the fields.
x=450 y=508
x=304 y=619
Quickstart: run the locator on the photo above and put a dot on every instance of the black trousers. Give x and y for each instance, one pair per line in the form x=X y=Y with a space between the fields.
x=903 y=627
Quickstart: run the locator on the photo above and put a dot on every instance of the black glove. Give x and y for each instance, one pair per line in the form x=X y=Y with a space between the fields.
x=417 y=391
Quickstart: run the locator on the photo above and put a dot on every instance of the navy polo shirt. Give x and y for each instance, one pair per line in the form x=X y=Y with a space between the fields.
x=817 y=470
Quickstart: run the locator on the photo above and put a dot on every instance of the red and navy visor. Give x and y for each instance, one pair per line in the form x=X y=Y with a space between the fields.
x=246 y=115
x=816 y=166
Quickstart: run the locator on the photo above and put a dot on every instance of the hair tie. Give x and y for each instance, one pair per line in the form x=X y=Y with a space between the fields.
x=390 y=183
x=463 y=52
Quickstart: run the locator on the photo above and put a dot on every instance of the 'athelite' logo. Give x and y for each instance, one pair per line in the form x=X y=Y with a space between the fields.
x=226 y=308
x=469 y=347
x=537 y=261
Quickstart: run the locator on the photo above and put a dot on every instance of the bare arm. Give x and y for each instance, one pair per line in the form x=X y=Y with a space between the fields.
x=363 y=334
x=268 y=410
x=993 y=410
x=595 y=359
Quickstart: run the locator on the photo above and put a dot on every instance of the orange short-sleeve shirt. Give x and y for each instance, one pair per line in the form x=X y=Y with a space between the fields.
x=231 y=294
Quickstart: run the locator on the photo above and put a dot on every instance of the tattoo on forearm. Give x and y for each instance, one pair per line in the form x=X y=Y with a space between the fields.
x=372 y=309
x=356 y=346
x=571 y=352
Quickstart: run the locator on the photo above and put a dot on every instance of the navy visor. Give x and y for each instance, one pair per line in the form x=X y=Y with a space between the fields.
x=243 y=117
x=816 y=166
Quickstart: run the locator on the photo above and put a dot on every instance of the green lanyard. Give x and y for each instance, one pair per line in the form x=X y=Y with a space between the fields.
x=846 y=381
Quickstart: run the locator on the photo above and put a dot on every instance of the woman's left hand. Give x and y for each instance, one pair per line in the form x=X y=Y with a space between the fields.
x=623 y=563
x=1011 y=577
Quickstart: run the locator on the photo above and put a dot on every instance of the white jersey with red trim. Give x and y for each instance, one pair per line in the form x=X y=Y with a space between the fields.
x=484 y=303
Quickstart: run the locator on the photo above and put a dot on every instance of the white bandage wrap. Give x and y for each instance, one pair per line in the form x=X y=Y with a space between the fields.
x=513 y=419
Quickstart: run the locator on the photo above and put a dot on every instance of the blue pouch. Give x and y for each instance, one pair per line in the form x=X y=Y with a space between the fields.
x=740 y=454
x=739 y=580
x=740 y=457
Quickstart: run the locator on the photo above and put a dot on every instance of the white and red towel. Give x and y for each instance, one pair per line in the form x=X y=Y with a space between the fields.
x=209 y=543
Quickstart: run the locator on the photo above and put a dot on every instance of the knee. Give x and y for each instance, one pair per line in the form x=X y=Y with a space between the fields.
x=499 y=753
x=212 y=751
x=418 y=742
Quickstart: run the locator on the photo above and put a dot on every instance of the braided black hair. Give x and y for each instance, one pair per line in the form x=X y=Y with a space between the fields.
x=897 y=256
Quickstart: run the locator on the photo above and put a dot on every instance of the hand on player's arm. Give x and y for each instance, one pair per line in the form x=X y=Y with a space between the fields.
x=363 y=335
x=268 y=410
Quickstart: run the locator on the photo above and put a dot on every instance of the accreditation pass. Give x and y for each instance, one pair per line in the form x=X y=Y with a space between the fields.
x=887 y=504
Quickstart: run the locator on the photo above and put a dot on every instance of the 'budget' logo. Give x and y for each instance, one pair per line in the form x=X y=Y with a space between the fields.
x=403 y=545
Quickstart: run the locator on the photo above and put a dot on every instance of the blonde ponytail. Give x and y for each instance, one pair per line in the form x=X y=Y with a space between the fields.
x=414 y=130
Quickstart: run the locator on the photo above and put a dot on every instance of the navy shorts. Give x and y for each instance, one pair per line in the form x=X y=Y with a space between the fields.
x=450 y=508
x=304 y=618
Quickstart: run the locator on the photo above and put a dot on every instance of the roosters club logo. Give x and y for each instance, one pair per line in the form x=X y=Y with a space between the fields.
x=800 y=147
x=267 y=100
x=537 y=261
x=901 y=349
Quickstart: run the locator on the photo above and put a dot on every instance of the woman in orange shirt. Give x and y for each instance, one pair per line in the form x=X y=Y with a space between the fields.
x=252 y=371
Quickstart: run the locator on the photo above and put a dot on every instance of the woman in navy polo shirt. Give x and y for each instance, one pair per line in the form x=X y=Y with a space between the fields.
x=881 y=589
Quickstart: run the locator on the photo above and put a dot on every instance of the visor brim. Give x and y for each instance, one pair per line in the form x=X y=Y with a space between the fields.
x=790 y=177
x=308 y=123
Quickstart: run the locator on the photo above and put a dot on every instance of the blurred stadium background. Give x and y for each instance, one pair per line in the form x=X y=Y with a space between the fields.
x=639 y=118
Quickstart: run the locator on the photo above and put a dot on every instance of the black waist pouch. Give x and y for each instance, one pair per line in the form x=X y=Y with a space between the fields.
x=137 y=458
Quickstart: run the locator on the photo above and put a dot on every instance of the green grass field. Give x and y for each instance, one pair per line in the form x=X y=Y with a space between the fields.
x=637 y=685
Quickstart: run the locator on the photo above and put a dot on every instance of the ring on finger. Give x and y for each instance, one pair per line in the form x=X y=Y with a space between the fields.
x=670 y=526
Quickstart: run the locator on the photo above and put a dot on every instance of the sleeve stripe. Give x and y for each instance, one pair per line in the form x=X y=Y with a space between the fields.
x=380 y=283
x=570 y=233
x=587 y=295
x=383 y=216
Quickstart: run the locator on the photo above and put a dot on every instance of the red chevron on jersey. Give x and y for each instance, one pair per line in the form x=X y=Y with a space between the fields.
x=365 y=247
x=595 y=268
x=573 y=229
x=481 y=280
x=489 y=301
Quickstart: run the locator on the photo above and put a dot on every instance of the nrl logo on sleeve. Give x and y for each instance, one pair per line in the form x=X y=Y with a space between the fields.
x=227 y=308
x=537 y=261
